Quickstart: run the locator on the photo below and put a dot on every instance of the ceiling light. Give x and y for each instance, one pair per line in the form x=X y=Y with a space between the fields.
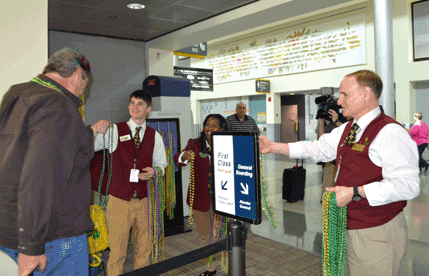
x=135 y=6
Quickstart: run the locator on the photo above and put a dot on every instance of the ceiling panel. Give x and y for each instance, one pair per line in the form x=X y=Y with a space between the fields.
x=184 y=14
x=159 y=24
x=218 y=5
x=151 y=6
x=58 y=9
x=111 y=18
x=85 y=3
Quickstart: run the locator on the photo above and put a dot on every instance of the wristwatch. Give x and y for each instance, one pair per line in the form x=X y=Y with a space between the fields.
x=337 y=121
x=356 y=195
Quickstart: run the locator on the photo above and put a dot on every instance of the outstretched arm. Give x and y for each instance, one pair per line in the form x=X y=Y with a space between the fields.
x=267 y=146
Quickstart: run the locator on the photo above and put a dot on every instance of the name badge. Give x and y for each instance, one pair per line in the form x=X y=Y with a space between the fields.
x=134 y=175
x=358 y=147
x=125 y=138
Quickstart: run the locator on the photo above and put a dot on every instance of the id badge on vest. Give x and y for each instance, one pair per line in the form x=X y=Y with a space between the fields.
x=338 y=170
x=134 y=175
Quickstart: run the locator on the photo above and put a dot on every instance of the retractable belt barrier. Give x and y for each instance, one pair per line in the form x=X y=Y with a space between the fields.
x=234 y=243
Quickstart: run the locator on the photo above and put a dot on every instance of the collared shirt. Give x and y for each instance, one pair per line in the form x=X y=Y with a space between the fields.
x=248 y=124
x=392 y=149
x=159 y=157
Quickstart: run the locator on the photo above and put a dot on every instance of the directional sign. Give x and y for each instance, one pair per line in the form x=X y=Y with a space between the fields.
x=245 y=189
x=235 y=173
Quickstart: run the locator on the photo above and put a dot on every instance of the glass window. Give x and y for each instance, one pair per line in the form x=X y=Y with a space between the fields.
x=420 y=19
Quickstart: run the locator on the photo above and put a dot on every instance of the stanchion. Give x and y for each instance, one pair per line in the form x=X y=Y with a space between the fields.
x=237 y=234
x=234 y=242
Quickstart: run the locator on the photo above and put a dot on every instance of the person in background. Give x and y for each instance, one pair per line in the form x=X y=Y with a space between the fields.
x=377 y=172
x=45 y=152
x=419 y=133
x=240 y=121
x=202 y=200
x=136 y=149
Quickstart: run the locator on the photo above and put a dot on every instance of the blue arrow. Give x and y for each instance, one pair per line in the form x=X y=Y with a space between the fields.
x=223 y=185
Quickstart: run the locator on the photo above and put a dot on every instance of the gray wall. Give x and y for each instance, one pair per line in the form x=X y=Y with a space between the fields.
x=118 y=68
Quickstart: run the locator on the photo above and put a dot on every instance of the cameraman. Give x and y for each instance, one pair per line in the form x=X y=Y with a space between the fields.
x=326 y=126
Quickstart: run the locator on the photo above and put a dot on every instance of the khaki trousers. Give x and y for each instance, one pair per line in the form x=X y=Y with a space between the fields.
x=328 y=176
x=204 y=224
x=378 y=250
x=122 y=215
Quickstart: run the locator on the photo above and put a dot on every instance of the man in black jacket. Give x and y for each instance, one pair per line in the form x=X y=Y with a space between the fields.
x=45 y=151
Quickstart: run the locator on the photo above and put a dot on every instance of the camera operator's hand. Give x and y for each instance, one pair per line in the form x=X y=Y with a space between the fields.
x=333 y=114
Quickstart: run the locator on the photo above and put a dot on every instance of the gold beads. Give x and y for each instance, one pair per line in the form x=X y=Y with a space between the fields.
x=191 y=187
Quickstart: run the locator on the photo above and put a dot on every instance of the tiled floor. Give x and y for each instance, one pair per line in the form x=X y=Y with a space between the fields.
x=300 y=227
x=308 y=213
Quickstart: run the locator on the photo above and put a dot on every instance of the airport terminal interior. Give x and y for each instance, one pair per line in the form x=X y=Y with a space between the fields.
x=300 y=228
x=125 y=48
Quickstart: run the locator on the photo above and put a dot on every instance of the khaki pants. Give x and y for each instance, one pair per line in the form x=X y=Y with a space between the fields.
x=328 y=176
x=203 y=221
x=378 y=250
x=122 y=215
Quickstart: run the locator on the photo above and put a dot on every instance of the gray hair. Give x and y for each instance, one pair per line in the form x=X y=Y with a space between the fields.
x=64 y=62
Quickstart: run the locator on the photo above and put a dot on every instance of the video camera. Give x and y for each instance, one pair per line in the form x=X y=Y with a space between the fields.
x=325 y=103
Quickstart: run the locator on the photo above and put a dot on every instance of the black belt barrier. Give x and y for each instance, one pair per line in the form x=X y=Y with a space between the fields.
x=234 y=243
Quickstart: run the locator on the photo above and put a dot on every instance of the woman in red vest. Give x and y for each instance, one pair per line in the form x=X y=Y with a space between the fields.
x=199 y=200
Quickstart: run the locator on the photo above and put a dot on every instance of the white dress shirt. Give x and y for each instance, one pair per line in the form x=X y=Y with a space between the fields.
x=392 y=149
x=159 y=157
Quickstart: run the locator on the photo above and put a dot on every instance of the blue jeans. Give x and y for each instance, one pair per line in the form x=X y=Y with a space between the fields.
x=68 y=256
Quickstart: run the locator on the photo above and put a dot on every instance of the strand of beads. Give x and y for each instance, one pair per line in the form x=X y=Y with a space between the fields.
x=170 y=179
x=156 y=207
x=216 y=222
x=100 y=181
x=191 y=186
x=334 y=236
x=46 y=84
x=225 y=258
x=266 y=206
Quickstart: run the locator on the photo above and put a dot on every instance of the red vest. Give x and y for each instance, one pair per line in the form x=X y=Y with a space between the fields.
x=123 y=162
x=356 y=169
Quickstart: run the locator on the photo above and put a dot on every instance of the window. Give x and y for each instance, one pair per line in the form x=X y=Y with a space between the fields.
x=420 y=19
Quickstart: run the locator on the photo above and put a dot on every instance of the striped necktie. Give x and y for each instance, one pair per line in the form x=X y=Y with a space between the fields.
x=137 y=137
x=351 y=139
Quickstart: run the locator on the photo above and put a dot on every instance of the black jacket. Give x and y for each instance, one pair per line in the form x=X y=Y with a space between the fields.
x=45 y=151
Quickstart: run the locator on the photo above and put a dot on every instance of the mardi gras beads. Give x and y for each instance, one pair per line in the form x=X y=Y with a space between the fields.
x=191 y=186
x=334 y=236
x=268 y=209
x=156 y=214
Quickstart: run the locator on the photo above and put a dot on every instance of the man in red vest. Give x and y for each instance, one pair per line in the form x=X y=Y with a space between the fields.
x=376 y=173
x=137 y=149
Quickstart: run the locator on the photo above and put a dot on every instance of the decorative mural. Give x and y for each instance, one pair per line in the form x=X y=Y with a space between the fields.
x=328 y=45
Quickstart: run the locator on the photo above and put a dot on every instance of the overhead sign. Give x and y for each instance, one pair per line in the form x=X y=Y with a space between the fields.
x=197 y=51
x=236 y=176
x=262 y=86
x=200 y=79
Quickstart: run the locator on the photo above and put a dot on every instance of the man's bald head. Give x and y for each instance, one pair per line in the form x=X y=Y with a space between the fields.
x=241 y=110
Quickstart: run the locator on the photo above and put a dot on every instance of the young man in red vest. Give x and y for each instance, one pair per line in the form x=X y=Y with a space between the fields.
x=377 y=172
x=137 y=149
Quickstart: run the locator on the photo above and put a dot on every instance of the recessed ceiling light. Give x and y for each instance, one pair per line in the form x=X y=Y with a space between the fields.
x=135 y=6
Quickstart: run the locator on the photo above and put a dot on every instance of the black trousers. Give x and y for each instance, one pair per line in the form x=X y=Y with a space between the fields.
x=422 y=162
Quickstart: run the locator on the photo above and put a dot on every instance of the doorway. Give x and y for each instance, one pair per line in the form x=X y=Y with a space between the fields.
x=293 y=118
